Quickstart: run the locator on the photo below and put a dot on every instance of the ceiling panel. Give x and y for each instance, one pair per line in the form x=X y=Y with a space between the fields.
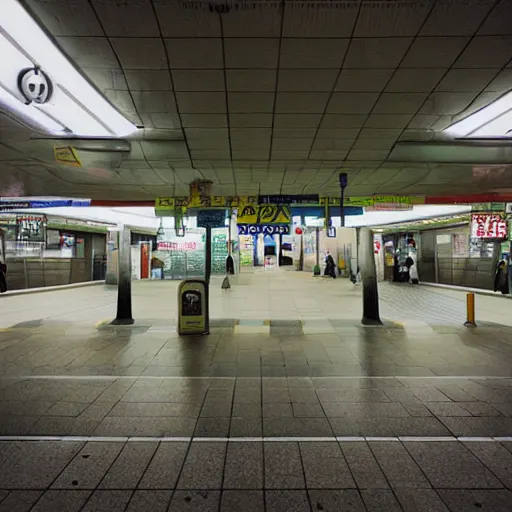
x=377 y=52
x=251 y=80
x=191 y=53
x=312 y=53
x=260 y=53
x=267 y=87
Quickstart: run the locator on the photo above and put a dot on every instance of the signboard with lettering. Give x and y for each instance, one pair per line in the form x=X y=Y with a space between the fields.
x=488 y=225
x=211 y=219
x=290 y=199
x=264 y=214
x=255 y=229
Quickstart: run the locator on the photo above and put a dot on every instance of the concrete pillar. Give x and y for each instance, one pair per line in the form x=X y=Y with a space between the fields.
x=124 y=280
x=369 y=275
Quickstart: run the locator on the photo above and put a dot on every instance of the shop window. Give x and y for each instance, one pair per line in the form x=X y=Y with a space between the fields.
x=480 y=248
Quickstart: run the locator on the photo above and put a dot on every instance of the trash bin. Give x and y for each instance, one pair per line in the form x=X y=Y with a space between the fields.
x=193 y=305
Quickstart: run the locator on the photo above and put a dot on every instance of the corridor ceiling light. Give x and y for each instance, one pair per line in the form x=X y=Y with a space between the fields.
x=73 y=105
x=495 y=120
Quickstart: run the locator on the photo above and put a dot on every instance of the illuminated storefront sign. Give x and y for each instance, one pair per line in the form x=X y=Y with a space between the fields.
x=488 y=225
x=177 y=246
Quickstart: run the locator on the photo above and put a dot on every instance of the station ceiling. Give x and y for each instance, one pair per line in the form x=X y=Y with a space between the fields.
x=273 y=97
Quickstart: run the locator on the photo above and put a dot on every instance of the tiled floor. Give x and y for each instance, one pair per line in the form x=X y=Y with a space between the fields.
x=289 y=404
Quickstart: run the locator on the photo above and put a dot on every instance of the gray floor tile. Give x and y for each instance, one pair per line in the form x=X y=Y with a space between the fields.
x=451 y=465
x=17 y=425
x=398 y=466
x=244 y=466
x=203 y=466
x=365 y=410
x=33 y=465
x=108 y=501
x=70 y=501
x=158 y=427
x=238 y=501
x=480 y=408
x=66 y=409
x=496 y=457
x=277 y=410
x=377 y=427
x=52 y=426
x=212 y=427
x=478 y=426
x=447 y=409
x=129 y=466
x=308 y=427
x=149 y=501
x=164 y=469
x=336 y=501
x=160 y=409
x=276 y=396
x=481 y=500
x=283 y=466
x=20 y=501
x=278 y=501
x=325 y=466
x=416 y=409
x=246 y=427
x=242 y=410
x=420 y=500
x=195 y=501
x=363 y=465
x=89 y=466
x=307 y=410
x=380 y=500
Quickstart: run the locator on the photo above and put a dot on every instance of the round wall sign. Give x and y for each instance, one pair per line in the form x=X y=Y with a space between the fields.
x=35 y=85
x=298 y=231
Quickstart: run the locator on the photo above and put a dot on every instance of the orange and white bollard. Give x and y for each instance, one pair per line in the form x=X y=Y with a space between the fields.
x=470 y=310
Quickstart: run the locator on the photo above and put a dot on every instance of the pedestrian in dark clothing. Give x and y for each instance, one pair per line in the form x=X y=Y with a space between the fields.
x=330 y=267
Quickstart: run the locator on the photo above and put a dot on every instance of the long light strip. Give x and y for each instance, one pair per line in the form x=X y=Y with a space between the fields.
x=27 y=34
x=476 y=124
x=29 y=112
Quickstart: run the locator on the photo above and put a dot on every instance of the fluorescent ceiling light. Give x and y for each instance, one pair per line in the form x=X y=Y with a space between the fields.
x=74 y=105
x=495 y=120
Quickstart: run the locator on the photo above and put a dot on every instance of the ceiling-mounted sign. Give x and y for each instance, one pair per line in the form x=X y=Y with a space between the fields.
x=289 y=199
x=488 y=225
x=66 y=155
x=35 y=86
x=264 y=214
x=256 y=229
x=10 y=205
x=211 y=219
x=331 y=232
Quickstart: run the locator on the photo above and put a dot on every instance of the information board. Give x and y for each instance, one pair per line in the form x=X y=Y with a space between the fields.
x=211 y=219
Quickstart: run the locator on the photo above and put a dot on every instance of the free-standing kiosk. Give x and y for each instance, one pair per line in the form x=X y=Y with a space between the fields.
x=193 y=314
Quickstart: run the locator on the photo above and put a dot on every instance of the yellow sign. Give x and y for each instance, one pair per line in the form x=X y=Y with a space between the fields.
x=192 y=310
x=66 y=155
x=264 y=214
x=164 y=203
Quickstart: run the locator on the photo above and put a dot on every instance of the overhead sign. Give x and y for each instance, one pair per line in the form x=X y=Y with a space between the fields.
x=264 y=214
x=211 y=219
x=166 y=206
x=10 y=205
x=331 y=232
x=488 y=225
x=66 y=155
x=289 y=199
x=266 y=230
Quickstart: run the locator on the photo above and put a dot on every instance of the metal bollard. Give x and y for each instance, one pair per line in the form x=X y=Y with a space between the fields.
x=470 y=310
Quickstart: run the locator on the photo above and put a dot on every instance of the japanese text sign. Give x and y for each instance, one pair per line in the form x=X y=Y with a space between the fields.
x=488 y=225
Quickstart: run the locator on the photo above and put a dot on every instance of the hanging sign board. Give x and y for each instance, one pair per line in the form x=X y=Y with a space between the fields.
x=256 y=229
x=290 y=199
x=488 y=225
x=264 y=214
x=211 y=219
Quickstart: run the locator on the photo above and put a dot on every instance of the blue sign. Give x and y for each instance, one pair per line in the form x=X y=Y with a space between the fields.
x=256 y=229
x=211 y=218
x=297 y=199
x=12 y=204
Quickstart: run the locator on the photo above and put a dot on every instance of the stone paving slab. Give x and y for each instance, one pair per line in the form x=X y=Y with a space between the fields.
x=365 y=475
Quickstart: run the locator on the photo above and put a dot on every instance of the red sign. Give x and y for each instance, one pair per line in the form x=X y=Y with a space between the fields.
x=488 y=225
x=298 y=231
x=177 y=246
